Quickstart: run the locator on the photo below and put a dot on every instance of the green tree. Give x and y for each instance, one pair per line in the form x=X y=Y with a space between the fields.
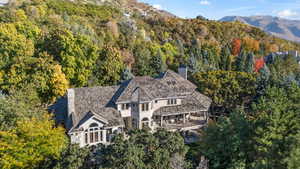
x=228 y=89
x=144 y=150
x=294 y=159
x=279 y=122
x=157 y=62
x=76 y=53
x=109 y=66
x=228 y=143
x=29 y=137
x=249 y=66
x=226 y=61
x=240 y=61
x=73 y=157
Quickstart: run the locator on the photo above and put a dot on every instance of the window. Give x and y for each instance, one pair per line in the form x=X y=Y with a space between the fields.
x=91 y=137
x=93 y=134
x=172 y=101
x=125 y=106
x=86 y=138
x=156 y=101
x=145 y=106
x=96 y=136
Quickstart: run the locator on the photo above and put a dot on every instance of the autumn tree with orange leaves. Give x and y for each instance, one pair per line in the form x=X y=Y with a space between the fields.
x=236 y=46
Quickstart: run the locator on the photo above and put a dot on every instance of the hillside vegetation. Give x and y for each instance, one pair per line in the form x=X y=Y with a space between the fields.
x=56 y=44
x=48 y=46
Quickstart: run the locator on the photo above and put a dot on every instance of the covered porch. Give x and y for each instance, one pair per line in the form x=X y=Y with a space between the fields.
x=181 y=121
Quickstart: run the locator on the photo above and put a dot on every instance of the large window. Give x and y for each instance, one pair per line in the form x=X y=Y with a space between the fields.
x=145 y=106
x=93 y=134
x=172 y=101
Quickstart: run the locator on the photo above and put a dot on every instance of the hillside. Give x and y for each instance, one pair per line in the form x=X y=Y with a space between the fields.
x=282 y=28
x=49 y=46
x=93 y=42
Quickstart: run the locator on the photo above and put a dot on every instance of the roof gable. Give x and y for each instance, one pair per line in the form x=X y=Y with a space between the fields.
x=146 y=89
x=178 y=84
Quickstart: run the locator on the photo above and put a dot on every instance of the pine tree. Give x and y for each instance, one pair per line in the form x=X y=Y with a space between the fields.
x=157 y=64
x=240 y=62
x=225 y=59
x=249 y=63
x=193 y=65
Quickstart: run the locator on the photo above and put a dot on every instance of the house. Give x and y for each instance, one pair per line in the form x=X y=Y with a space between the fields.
x=94 y=115
x=271 y=57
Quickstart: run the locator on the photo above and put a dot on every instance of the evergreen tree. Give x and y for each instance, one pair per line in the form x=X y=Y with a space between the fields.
x=263 y=80
x=294 y=158
x=157 y=64
x=225 y=63
x=193 y=65
x=278 y=123
x=249 y=63
x=240 y=61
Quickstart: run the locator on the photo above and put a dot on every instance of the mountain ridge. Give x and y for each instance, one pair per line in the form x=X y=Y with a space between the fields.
x=280 y=27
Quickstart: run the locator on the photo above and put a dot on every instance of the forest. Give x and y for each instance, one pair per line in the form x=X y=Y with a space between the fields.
x=48 y=46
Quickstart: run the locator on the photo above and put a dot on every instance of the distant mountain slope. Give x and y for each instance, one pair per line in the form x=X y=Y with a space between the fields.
x=283 y=28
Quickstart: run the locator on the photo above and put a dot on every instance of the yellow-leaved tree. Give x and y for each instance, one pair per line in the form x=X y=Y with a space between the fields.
x=28 y=135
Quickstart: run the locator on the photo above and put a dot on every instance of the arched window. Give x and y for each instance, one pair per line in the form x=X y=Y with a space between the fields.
x=93 y=134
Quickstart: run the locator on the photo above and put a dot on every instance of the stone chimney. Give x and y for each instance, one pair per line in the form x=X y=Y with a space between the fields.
x=71 y=102
x=182 y=71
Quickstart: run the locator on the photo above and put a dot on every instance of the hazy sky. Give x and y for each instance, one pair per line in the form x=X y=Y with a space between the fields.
x=216 y=9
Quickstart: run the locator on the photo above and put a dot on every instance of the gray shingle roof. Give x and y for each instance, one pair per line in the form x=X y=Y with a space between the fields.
x=177 y=83
x=98 y=100
x=101 y=101
x=149 y=87
x=192 y=103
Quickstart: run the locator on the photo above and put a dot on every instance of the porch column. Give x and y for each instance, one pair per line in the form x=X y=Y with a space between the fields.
x=104 y=136
x=161 y=120
x=183 y=118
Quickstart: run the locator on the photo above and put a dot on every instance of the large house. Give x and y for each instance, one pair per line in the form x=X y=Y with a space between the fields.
x=93 y=115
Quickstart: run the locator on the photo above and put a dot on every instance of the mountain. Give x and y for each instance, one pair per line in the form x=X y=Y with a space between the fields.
x=283 y=28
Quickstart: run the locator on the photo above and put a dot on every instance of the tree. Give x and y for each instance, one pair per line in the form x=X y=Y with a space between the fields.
x=144 y=150
x=109 y=66
x=193 y=65
x=250 y=44
x=259 y=64
x=240 y=61
x=279 y=122
x=228 y=143
x=157 y=63
x=236 y=47
x=294 y=159
x=16 y=51
x=29 y=138
x=226 y=60
x=228 y=89
x=142 y=57
x=73 y=157
x=76 y=53
x=249 y=66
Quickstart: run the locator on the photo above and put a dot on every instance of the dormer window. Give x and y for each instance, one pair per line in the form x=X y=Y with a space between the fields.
x=145 y=106
x=125 y=106
x=172 y=101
